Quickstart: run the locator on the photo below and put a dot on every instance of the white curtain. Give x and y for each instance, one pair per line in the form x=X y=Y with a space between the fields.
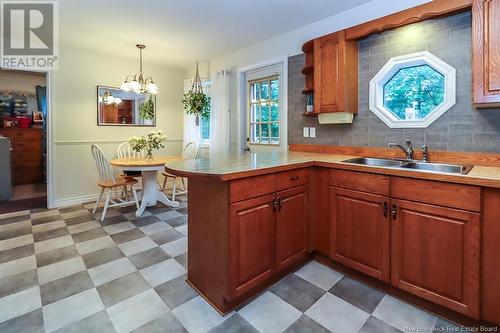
x=221 y=103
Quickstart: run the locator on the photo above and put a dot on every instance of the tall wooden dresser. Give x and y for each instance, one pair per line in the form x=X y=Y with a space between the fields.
x=26 y=156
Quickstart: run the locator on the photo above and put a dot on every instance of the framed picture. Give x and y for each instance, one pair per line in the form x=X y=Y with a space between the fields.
x=37 y=117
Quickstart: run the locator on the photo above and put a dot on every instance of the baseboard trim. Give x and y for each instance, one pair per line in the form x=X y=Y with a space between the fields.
x=60 y=203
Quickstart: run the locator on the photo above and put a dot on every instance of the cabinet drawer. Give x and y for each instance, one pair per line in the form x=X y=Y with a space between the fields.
x=22 y=166
x=459 y=196
x=15 y=133
x=21 y=145
x=23 y=156
x=292 y=178
x=360 y=181
x=26 y=178
x=251 y=187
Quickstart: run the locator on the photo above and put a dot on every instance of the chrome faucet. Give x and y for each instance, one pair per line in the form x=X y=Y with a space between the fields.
x=407 y=148
x=425 y=153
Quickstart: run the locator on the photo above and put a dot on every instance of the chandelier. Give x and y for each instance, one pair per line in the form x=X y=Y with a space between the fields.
x=137 y=83
x=109 y=99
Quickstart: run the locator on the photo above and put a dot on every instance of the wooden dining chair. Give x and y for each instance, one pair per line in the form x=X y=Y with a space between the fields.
x=125 y=151
x=190 y=152
x=108 y=182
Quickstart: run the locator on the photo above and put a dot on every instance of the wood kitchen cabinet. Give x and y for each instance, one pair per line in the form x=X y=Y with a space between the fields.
x=335 y=74
x=291 y=227
x=436 y=254
x=26 y=155
x=237 y=230
x=266 y=234
x=486 y=52
x=252 y=234
x=360 y=231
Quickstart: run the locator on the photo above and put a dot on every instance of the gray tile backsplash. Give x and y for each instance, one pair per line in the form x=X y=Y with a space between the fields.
x=462 y=128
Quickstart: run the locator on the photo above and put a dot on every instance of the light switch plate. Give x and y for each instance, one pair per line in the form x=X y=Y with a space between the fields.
x=306 y=132
x=312 y=132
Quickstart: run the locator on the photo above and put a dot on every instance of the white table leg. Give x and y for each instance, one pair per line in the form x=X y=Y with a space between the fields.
x=150 y=193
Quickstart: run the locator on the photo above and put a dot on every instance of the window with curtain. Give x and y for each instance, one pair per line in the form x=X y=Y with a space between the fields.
x=264 y=96
x=205 y=122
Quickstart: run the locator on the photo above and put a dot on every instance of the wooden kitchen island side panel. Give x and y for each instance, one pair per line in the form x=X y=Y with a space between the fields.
x=208 y=213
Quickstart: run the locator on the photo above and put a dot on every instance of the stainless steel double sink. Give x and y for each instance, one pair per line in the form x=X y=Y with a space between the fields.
x=411 y=165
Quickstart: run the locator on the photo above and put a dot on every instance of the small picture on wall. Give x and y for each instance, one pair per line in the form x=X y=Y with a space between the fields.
x=37 y=117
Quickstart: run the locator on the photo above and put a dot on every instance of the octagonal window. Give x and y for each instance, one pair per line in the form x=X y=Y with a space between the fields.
x=412 y=91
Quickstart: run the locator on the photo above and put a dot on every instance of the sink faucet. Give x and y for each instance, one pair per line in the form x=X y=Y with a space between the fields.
x=425 y=153
x=407 y=148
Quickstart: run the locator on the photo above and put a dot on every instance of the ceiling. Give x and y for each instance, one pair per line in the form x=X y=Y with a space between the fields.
x=179 y=32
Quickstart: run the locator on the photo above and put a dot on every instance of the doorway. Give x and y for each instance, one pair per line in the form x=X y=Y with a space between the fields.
x=23 y=140
x=263 y=89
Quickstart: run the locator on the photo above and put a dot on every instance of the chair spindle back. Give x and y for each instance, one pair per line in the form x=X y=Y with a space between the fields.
x=105 y=171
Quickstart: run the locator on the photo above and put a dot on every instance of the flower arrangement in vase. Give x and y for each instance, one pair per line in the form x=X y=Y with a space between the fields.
x=148 y=143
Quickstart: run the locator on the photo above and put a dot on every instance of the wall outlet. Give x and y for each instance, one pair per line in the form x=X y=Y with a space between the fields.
x=312 y=132
x=306 y=132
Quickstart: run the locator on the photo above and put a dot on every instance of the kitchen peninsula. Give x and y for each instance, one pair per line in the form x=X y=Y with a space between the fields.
x=420 y=235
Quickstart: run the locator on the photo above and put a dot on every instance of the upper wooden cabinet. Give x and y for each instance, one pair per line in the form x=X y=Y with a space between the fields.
x=335 y=74
x=486 y=52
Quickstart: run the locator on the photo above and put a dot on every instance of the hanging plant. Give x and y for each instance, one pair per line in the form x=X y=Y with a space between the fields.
x=147 y=109
x=195 y=101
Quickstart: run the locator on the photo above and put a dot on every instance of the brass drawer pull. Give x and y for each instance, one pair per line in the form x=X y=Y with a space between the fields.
x=294 y=177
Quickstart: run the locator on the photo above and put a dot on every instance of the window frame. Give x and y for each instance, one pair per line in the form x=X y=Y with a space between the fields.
x=376 y=93
x=268 y=101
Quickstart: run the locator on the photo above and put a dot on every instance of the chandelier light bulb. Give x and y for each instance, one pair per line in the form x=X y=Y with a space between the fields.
x=152 y=88
x=135 y=86
x=125 y=86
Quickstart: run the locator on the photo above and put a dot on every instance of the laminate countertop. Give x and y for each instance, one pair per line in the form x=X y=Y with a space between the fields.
x=251 y=164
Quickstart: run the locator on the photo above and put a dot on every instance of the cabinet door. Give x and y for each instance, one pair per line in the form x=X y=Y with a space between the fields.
x=435 y=254
x=360 y=231
x=291 y=227
x=328 y=73
x=251 y=244
x=486 y=52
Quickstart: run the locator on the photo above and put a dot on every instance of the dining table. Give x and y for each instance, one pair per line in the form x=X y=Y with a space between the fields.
x=149 y=167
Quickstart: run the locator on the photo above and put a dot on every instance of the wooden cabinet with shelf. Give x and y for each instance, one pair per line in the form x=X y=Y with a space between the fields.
x=486 y=52
x=308 y=70
x=331 y=71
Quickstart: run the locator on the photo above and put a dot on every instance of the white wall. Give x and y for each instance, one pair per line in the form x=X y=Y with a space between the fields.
x=290 y=43
x=75 y=118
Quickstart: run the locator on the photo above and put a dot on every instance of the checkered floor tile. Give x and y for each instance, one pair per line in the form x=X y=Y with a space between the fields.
x=63 y=271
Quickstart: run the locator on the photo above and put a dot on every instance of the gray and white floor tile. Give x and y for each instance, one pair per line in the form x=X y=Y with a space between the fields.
x=64 y=271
